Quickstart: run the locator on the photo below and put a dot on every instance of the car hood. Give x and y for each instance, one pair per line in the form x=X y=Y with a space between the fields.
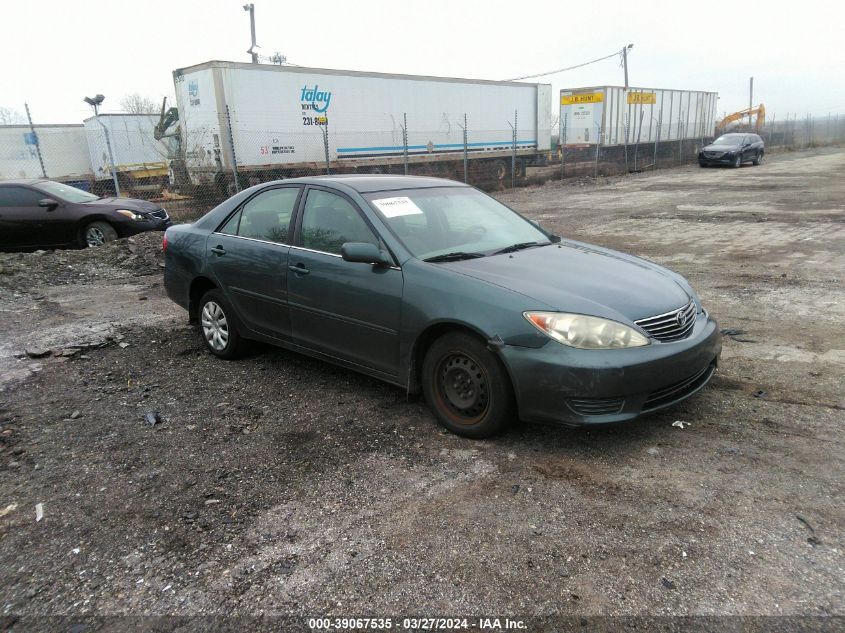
x=132 y=204
x=577 y=277
x=721 y=148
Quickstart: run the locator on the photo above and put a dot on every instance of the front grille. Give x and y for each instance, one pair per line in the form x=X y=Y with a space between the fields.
x=159 y=214
x=595 y=406
x=672 y=326
x=713 y=154
x=678 y=391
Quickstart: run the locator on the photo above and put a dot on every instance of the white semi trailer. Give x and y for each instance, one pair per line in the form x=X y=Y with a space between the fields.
x=57 y=152
x=613 y=115
x=255 y=122
x=140 y=160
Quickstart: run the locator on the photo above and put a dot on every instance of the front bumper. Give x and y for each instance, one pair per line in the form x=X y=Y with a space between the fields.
x=575 y=387
x=724 y=159
x=129 y=227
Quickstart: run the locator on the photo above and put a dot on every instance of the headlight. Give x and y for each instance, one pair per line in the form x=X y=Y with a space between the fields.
x=585 y=332
x=132 y=215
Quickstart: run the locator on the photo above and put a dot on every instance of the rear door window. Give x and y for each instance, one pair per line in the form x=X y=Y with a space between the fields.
x=266 y=216
x=19 y=197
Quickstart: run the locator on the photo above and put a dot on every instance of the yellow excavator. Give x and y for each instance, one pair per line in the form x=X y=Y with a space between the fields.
x=758 y=111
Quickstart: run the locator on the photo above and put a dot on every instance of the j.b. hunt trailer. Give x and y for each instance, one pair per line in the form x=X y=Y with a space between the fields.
x=263 y=121
x=612 y=115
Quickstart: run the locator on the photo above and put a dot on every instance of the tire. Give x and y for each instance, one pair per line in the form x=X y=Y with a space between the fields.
x=702 y=164
x=218 y=328
x=737 y=162
x=466 y=387
x=500 y=170
x=758 y=158
x=98 y=233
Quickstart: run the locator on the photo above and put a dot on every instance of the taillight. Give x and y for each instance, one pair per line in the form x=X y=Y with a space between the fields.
x=164 y=243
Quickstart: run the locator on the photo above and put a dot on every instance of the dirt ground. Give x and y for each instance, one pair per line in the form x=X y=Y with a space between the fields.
x=283 y=485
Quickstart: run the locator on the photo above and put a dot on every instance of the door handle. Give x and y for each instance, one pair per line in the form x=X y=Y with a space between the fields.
x=218 y=250
x=299 y=269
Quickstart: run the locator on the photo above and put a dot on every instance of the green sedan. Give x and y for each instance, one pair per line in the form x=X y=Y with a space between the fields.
x=438 y=288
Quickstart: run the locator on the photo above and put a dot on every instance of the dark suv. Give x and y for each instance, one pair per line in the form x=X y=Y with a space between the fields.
x=36 y=213
x=733 y=149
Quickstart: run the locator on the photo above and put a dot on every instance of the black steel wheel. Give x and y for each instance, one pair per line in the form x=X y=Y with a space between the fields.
x=467 y=387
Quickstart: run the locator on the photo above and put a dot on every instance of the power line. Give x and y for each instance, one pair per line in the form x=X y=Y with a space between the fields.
x=560 y=70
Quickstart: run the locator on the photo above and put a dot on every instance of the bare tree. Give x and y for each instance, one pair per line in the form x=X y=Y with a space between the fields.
x=8 y=116
x=136 y=104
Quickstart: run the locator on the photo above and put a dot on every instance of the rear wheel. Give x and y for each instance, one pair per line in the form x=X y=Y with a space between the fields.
x=758 y=158
x=218 y=329
x=98 y=233
x=467 y=387
x=500 y=170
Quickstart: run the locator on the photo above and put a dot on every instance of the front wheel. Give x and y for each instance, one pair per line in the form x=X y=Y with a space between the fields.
x=98 y=233
x=218 y=329
x=737 y=161
x=467 y=387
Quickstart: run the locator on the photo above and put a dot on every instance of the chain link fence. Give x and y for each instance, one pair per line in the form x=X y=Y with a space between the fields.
x=195 y=169
x=647 y=146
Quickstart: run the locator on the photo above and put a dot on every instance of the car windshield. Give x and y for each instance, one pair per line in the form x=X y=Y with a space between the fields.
x=66 y=192
x=454 y=222
x=728 y=139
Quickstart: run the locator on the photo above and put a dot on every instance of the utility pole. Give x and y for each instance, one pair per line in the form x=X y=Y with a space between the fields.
x=750 y=98
x=251 y=8
x=625 y=50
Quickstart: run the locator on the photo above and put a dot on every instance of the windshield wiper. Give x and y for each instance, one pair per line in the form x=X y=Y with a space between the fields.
x=453 y=257
x=520 y=246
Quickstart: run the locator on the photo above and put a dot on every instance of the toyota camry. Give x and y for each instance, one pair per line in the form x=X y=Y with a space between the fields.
x=434 y=286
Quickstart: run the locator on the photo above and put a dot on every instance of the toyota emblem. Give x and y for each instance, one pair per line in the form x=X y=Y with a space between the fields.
x=682 y=319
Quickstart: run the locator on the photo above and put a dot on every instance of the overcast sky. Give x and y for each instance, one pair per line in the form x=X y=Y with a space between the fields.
x=55 y=52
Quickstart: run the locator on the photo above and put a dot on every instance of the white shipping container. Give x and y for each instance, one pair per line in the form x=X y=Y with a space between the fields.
x=135 y=149
x=616 y=116
x=64 y=151
x=275 y=116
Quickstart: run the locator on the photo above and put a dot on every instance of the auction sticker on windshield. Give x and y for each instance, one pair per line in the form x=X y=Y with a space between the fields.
x=395 y=207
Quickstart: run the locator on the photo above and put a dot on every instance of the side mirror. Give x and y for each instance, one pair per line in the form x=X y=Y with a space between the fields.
x=48 y=203
x=364 y=253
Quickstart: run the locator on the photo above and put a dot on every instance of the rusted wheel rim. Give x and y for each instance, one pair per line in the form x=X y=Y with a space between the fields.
x=463 y=387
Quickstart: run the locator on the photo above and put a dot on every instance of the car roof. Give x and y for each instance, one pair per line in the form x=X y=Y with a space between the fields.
x=23 y=181
x=369 y=183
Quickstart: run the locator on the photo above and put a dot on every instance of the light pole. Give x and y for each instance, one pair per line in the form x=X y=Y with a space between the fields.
x=625 y=50
x=251 y=8
x=95 y=102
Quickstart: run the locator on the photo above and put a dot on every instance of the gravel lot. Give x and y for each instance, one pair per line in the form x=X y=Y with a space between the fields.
x=283 y=485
